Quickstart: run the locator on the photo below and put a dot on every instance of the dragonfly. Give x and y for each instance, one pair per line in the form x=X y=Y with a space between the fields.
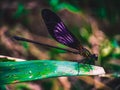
x=58 y=30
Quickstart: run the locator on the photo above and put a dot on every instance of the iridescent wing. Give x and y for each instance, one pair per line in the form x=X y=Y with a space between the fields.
x=58 y=30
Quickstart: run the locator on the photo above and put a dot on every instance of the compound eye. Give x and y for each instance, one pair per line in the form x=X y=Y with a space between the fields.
x=95 y=56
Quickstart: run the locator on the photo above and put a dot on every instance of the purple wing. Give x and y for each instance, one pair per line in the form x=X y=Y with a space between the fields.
x=62 y=35
x=58 y=30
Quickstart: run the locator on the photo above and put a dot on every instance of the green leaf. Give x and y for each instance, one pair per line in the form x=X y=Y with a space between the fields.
x=54 y=2
x=12 y=72
x=67 y=6
x=106 y=48
x=21 y=11
x=3 y=87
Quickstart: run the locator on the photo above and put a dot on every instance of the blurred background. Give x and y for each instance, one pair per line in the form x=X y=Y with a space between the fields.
x=95 y=23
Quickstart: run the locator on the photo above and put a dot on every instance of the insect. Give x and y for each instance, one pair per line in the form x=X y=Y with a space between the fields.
x=60 y=33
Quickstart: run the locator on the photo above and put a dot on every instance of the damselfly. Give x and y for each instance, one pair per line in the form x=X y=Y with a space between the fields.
x=60 y=33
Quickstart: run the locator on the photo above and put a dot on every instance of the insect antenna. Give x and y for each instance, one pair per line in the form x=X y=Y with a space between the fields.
x=31 y=41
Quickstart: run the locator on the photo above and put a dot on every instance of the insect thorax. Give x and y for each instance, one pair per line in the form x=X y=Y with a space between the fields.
x=84 y=52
